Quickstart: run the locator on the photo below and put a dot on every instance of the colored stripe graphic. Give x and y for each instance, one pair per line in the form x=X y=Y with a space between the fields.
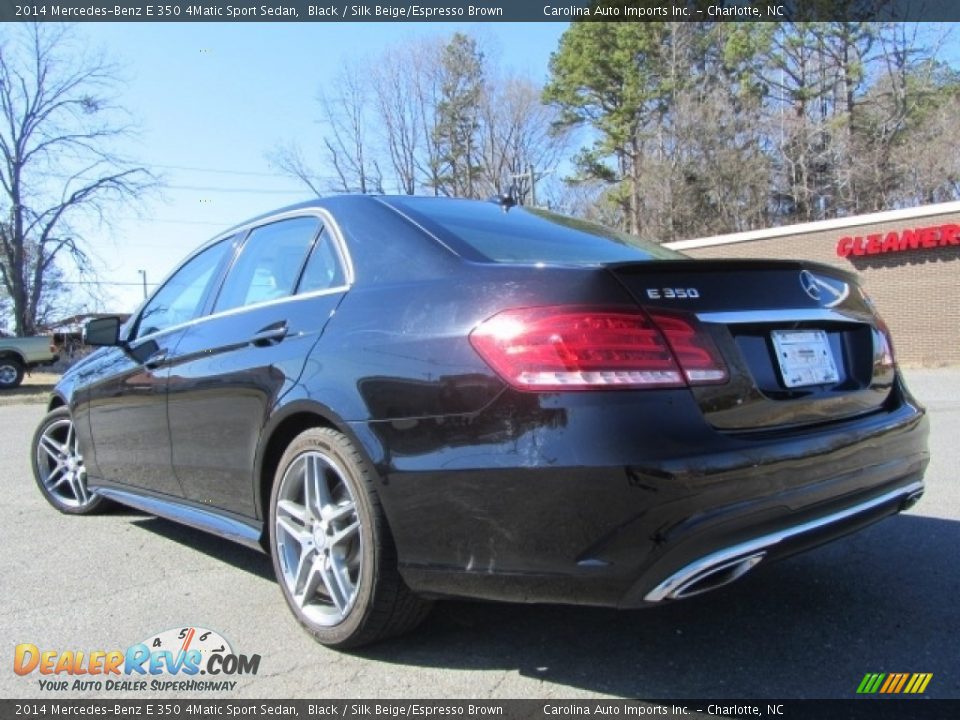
x=891 y=680
x=900 y=684
x=870 y=683
x=918 y=683
x=894 y=683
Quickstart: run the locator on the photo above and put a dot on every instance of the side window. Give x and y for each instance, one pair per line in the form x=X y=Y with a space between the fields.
x=181 y=297
x=269 y=263
x=323 y=269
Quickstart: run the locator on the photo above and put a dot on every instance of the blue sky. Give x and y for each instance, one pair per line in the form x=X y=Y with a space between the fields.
x=217 y=98
x=213 y=99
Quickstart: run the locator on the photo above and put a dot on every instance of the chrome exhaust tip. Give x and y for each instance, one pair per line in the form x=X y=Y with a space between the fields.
x=912 y=499
x=703 y=577
x=716 y=577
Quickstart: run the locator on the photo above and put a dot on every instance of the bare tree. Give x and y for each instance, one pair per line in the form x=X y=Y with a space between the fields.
x=4 y=310
x=426 y=69
x=289 y=159
x=58 y=121
x=398 y=101
x=516 y=137
x=437 y=118
x=348 y=141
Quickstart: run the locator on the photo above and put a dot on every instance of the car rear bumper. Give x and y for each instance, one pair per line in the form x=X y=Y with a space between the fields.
x=730 y=563
x=673 y=519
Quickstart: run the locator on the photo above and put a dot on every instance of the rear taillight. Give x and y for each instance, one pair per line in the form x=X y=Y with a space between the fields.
x=883 y=357
x=578 y=348
x=692 y=346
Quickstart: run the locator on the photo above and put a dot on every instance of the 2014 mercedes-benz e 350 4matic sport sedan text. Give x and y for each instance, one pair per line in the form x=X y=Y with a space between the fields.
x=406 y=398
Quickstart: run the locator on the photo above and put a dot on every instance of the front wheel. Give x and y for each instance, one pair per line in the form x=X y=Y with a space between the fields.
x=332 y=551
x=58 y=465
x=11 y=373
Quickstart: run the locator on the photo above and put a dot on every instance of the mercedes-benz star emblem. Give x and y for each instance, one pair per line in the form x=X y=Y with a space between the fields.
x=809 y=284
x=831 y=289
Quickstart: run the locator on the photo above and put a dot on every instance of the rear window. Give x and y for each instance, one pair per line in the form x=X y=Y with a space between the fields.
x=525 y=235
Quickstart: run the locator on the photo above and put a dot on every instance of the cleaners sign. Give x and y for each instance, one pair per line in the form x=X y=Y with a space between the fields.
x=894 y=241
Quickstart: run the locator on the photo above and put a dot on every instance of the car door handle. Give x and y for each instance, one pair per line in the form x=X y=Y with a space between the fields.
x=155 y=360
x=270 y=335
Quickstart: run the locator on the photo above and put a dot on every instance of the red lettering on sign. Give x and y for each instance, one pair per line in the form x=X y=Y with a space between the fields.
x=909 y=240
x=950 y=234
x=892 y=243
x=928 y=236
x=921 y=238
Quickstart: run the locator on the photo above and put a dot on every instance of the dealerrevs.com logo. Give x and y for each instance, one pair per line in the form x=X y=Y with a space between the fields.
x=189 y=659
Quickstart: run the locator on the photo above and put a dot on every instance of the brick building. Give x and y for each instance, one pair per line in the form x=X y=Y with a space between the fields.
x=908 y=261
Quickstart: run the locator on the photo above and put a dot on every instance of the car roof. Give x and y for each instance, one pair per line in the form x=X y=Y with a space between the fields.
x=318 y=202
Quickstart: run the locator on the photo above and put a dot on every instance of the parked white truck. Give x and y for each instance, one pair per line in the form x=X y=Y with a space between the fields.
x=19 y=354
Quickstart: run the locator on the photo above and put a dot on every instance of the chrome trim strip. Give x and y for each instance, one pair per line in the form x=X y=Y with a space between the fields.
x=739 y=317
x=322 y=213
x=241 y=309
x=206 y=520
x=675 y=583
x=339 y=246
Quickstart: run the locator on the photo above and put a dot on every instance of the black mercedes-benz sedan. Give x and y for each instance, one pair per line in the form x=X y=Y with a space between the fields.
x=406 y=398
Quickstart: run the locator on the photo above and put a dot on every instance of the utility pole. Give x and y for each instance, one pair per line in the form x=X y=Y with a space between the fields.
x=143 y=275
x=531 y=176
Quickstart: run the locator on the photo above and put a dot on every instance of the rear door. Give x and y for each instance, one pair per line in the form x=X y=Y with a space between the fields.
x=802 y=342
x=230 y=369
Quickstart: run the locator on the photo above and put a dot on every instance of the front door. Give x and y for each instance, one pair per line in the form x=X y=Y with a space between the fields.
x=127 y=400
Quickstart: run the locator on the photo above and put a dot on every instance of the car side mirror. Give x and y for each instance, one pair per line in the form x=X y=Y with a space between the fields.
x=102 y=331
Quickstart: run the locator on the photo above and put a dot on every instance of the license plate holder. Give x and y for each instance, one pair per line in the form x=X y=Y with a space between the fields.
x=804 y=357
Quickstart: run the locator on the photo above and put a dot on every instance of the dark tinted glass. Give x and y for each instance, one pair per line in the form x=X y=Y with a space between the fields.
x=181 y=297
x=323 y=269
x=526 y=235
x=269 y=263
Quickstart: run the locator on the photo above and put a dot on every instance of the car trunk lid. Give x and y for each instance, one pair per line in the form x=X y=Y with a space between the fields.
x=802 y=341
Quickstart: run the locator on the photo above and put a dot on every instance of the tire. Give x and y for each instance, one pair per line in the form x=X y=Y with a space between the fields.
x=58 y=466
x=11 y=372
x=332 y=551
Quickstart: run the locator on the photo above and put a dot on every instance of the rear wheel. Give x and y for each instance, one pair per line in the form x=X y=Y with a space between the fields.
x=332 y=551
x=11 y=372
x=58 y=466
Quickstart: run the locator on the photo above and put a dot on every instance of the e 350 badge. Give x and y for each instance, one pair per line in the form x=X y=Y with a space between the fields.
x=167 y=662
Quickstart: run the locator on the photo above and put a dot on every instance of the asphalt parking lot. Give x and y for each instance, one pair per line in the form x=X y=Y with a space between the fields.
x=885 y=600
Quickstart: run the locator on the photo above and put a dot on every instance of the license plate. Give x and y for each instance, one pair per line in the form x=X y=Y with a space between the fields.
x=805 y=357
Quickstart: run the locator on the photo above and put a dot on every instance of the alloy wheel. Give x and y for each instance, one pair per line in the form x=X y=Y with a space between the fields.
x=318 y=538
x=60 y=465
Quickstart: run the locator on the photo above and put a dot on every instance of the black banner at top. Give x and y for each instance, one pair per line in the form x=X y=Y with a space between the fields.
x=375 y=709
x=477 y=10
